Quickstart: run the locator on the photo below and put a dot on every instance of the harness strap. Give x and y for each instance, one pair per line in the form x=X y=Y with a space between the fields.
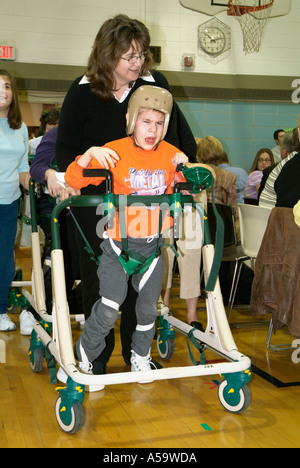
x=133 y=262
x=87 y=247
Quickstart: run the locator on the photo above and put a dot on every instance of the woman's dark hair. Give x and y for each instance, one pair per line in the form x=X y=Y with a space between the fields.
x=114 y=38
x=14 y=114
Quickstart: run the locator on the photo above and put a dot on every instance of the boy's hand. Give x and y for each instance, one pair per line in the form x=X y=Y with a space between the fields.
x=179 y=158
x=106 y=157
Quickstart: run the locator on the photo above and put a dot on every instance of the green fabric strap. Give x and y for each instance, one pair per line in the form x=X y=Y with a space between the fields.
x=87 y=247
x=219 y=243
x=200 y=347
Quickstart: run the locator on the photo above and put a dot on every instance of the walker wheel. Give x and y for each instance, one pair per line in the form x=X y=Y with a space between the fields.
x=165 y=347
x=38 y=360
x=69 y=420
x=234 y=401
x=12 y=309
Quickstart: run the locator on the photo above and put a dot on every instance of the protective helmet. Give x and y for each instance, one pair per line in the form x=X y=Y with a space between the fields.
x=149 y=97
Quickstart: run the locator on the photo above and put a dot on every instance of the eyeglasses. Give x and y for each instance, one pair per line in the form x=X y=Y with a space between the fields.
x=134 y=58
x=264 y=160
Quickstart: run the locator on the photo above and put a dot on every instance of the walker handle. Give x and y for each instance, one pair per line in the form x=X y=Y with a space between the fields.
x=100 y=173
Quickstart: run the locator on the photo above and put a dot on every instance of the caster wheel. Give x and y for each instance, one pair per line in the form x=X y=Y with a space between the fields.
x=38 y=360
x=69 y=420
x=165 y=347
x=12 y=309
x=233 y=401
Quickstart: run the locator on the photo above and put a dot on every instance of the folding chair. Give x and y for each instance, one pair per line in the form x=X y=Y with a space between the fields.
x=232 y=251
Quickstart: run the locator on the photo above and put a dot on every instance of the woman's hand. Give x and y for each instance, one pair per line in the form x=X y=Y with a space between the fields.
x=54 y=187
x=68 y=192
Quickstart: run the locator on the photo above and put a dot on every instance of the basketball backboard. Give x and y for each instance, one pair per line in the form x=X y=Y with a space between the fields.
x=213 y=7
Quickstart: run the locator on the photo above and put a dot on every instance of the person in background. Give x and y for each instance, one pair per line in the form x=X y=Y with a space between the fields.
x=210 y=151
x=287 y=185
x=266 y=192
x=278 y=135
x=49 y=119
x=263 y=159
x=241 y=176
x=43 y=171
x=14 y=171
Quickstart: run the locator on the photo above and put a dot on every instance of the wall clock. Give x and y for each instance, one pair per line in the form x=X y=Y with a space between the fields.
x=214 y=37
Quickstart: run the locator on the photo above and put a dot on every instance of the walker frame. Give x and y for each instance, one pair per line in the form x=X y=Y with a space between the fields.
x=52 y=336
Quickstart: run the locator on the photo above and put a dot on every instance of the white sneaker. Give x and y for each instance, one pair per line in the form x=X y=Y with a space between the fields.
x=87 y=368
x=140 y=363
x=6 y=324
x=27 y=322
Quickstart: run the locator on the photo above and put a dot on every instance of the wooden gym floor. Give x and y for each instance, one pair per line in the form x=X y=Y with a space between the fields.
x=183 y=413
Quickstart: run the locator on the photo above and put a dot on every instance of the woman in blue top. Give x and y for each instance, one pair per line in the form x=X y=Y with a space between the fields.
x=14 y=170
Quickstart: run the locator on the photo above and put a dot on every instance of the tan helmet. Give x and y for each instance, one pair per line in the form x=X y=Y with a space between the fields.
x=149 y=97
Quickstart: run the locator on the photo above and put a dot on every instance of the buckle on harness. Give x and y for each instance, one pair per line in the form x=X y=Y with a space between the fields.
x=134 y=263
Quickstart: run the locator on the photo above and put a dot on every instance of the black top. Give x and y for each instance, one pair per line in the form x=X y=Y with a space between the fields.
x=287 y=184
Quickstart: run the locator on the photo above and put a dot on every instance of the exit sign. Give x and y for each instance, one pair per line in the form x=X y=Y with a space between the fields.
x=7 y=52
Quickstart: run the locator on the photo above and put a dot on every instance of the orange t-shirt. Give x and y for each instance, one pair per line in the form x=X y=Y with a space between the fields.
x=138 y=172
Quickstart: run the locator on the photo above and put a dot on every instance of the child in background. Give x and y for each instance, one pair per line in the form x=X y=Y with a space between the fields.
x=142 y=164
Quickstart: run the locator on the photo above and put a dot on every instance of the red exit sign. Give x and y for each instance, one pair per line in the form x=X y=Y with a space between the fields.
x=7 y=52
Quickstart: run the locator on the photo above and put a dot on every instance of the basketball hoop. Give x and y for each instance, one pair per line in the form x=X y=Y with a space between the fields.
x=252 y=16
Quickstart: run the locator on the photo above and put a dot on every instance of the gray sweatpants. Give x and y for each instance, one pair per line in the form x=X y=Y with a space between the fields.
x=113 y=292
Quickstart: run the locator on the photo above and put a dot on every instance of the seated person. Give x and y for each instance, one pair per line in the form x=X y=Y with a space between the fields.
x=142 y=164
x=263 y=159
x=287 y=185
x=241 y=176
x=266 y=193
x=278 y=135
x=210 y=151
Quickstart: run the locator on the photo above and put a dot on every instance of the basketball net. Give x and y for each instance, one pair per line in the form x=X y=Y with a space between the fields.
x=252 y=16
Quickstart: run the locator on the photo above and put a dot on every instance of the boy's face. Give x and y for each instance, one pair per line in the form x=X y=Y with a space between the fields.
x=148 y=128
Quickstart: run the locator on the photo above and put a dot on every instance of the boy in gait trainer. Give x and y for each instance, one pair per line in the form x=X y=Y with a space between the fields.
x=141 y=164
